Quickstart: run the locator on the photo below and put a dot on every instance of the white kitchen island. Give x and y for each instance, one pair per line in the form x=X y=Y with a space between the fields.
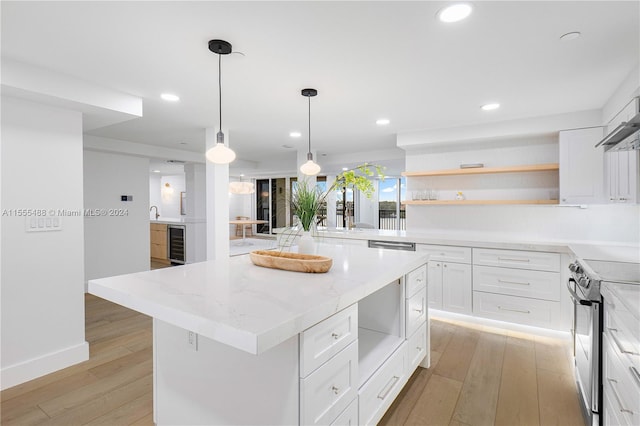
x=235 y=343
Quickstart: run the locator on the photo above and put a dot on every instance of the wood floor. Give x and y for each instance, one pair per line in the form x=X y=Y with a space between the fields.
x=479 y=376
x=485 y=376
x=114 y=387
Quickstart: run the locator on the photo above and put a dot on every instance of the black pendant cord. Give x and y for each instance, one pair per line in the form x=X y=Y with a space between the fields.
x=220 y=88
x=309 y=97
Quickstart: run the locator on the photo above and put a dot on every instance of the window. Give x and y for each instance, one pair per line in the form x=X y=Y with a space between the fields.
x=391 y=211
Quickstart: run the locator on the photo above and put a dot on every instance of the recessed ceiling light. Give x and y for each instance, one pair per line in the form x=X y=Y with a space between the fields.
x=170 y=97
x=241 y=174
x=383 y=122
x=570 y=36
x=295 y=134
x=490 y=107
x=455 y=12
x=344 y=169
x=155 y=171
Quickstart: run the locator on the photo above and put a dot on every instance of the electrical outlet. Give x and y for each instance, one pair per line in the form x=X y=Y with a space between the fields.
x=193 y=340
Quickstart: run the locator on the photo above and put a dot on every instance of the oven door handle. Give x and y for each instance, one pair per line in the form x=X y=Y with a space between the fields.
x=574 y=295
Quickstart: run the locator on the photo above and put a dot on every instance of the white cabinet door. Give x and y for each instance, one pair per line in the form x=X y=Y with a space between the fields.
x=434 y=281
x=456 y=288
x=581 y=166
x=622 y=176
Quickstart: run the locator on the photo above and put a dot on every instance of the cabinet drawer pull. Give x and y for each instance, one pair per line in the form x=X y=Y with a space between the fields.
x=635 y=374
x=514 y=259
x=420 y=311
x=513 y=310
x=335 y=390
x=388 y=387
x=335 y=335
x=419 y=279
x=617 y=397
x=512 y=282
x=418 y=348
x=618 y=344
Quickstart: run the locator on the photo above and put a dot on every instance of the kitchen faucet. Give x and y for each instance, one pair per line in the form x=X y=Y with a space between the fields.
x=157 y=214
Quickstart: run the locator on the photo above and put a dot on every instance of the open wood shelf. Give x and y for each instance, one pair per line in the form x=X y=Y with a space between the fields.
x=470 y=202
x=486 y=170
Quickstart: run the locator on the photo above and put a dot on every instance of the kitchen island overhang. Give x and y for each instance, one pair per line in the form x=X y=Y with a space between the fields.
x=233 y=305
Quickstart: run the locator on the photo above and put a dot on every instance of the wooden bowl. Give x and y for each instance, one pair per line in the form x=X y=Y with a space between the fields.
x=291 y=261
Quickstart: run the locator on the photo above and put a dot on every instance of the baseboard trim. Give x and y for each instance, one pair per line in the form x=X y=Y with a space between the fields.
x=16 y=374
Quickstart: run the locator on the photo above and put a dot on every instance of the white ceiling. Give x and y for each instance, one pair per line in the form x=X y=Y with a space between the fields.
x=367 y=60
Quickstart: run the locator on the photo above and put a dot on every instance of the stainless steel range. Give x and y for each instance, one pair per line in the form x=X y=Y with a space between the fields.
x=584 y=285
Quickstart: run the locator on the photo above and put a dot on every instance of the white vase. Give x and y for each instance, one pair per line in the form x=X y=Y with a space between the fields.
x=306 y=244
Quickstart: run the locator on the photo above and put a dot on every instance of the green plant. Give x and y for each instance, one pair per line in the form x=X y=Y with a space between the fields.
x=306 y=200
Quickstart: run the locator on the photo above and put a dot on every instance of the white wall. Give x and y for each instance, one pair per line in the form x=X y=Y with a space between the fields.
x=629 y=88
x=117 y=244
x=518 y=151
x=155 y=196
x=42 y=273
x=605 y=223
x=169 y=206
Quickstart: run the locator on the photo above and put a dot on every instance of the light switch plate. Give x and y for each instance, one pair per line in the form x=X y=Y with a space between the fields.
x=43 y=223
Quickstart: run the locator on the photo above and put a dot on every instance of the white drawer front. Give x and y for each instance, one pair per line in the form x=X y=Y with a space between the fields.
x=517 y=282
x=325 y=339
x=416 y=311
x=326 y=392
x=535 y=260
x=349 y=416
x=381 y=389
x=622 y=340
x=446 y=253
x=416 y=280
x=520 y=310
x=417 y=348
x=620 y=385
x=622 y=325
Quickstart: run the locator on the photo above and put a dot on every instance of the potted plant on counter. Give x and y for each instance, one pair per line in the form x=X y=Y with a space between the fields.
x=306 y=199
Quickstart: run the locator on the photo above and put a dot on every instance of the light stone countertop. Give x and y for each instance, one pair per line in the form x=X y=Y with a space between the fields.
x=596 y=250
x=251 y=308
x=177 y=220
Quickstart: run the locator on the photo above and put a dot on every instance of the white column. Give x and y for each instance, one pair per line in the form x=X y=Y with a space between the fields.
x=195 y=176
x=287 y=207
x=196 y=209
x=331 y=204
x=217 y=202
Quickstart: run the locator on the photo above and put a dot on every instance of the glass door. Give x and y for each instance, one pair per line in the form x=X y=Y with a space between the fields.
x=391 y=211
x=345 y=207
x=262 y=205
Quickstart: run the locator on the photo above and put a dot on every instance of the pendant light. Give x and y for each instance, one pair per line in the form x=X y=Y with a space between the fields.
x=241 y=188
x=220 y=154
x=310 y=168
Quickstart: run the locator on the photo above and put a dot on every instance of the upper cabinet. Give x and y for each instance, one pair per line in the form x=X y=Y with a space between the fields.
x=581 y=166
x=621 y=176
x=621 y=172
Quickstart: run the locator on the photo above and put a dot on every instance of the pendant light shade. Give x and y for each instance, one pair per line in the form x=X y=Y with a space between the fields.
x=241 y=188
x=220 y=154
x=310 y=168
